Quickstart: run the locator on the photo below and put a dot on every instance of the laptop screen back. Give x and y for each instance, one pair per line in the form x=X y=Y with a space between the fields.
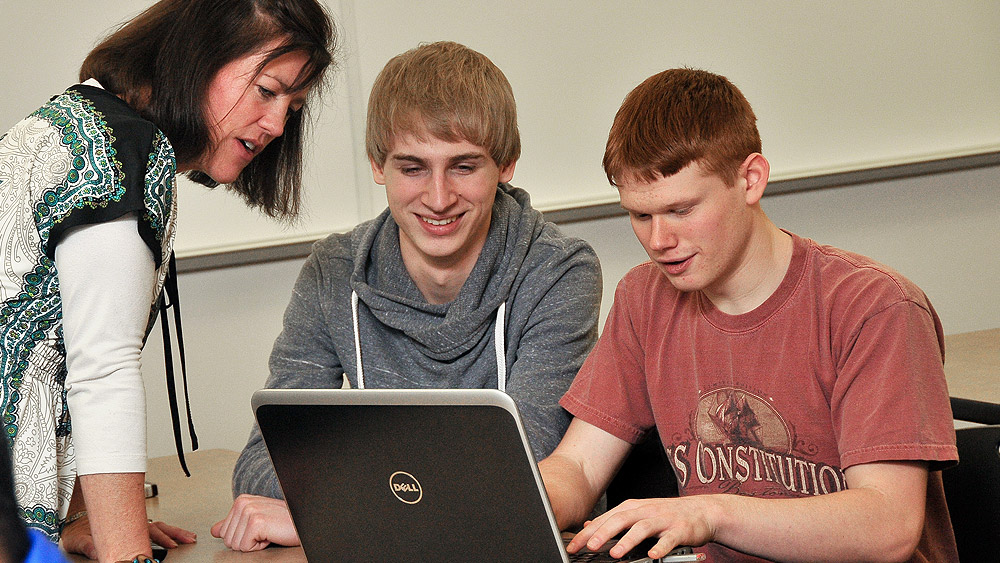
x=418 y=475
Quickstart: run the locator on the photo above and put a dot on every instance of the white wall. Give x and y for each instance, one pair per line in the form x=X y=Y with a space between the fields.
x=941 y=231
x=836 y=85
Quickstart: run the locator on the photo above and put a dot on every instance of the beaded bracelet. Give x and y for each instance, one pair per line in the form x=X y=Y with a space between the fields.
x=144 y=559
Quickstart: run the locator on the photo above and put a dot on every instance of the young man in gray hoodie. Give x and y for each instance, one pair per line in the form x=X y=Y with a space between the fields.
x=459 y=283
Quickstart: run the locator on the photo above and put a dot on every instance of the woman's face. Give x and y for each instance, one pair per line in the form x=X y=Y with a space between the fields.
x=245 y=111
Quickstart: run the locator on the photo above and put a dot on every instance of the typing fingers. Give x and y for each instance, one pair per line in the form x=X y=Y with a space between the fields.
x=644 y=518
x=597 y=532
x=667 y=538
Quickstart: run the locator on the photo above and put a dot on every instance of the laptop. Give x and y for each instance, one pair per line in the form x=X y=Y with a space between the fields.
x=411 y=475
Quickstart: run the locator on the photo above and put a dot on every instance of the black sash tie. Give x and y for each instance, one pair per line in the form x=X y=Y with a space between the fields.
x=168 y=300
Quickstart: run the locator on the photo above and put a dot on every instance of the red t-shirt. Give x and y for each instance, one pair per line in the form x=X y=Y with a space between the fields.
x=841 y=365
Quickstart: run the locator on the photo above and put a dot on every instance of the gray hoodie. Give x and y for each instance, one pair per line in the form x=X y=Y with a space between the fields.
x=549 y=287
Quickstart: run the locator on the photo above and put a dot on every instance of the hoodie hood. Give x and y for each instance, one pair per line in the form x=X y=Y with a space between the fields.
x=445 y=332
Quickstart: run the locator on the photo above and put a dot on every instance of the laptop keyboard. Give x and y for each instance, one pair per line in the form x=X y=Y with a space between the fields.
x=638 y=553
x=603 y=556
x=590 y=557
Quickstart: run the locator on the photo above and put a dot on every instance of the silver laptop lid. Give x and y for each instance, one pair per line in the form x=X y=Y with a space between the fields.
x=412 y=475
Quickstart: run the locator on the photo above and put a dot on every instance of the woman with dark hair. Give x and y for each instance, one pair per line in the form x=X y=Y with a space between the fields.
x=216 y=90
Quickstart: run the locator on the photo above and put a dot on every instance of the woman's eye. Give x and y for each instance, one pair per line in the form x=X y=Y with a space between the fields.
x=266 y=92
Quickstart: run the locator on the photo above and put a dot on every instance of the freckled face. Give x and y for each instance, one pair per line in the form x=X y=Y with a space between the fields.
x=246 y=111
x=693 y=226
x=441 y=195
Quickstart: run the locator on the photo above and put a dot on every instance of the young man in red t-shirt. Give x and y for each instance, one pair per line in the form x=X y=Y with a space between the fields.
x=798 y=389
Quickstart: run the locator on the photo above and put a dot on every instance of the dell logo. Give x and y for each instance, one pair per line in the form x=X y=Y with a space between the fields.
x=405 y=487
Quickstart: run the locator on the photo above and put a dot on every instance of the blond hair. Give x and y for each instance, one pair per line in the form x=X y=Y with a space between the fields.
x=446 y=90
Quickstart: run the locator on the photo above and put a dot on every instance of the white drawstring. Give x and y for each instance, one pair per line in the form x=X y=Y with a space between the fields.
x=498 y=341
x=357 y=340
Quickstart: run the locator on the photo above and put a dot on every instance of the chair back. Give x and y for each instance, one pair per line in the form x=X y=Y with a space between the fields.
x=646 y=473
x=972 y=488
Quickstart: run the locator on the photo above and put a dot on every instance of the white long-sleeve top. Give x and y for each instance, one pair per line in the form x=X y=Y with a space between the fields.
x=106 y=275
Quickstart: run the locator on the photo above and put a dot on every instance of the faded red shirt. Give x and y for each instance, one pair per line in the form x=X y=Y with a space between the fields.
x=842 y=365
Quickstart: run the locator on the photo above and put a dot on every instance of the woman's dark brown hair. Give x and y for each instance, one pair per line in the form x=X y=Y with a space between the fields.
x=163 y=61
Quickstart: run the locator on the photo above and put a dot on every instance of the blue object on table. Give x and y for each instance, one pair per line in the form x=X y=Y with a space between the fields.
x=43 y=550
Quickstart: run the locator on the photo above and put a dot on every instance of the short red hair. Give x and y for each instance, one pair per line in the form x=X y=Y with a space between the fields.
x=677 y=117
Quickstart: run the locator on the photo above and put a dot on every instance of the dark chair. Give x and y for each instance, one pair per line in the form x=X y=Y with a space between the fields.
x=646 y=473
x=972 y=488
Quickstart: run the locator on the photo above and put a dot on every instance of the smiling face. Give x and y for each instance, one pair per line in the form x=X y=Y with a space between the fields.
x=441 y=195
x=695 y=228
x=246 y=111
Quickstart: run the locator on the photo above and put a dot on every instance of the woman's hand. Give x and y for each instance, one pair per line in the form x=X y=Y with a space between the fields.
x=169 y=536
x=77 y=537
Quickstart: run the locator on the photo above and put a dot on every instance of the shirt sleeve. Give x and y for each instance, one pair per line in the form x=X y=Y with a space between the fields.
x=106 y=281
x=560 y=332
x=303 y=357
x=610 y=391
x=890 y=401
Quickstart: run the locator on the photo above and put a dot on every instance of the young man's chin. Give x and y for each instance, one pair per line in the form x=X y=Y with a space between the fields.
x=683 y=283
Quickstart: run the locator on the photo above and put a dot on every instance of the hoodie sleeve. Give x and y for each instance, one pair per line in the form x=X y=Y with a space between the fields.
x=559 y=332
x=303 y=357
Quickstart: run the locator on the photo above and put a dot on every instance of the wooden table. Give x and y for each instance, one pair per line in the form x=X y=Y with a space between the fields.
x=196 y=503
x=972 y=366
